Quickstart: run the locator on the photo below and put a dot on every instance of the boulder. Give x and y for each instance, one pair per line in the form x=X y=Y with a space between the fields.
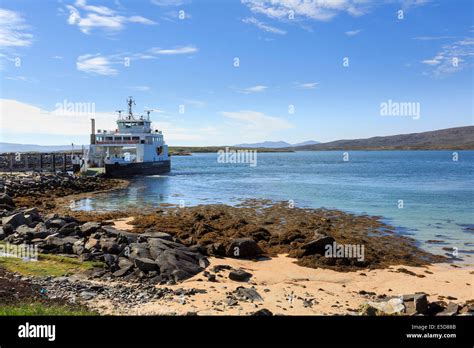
x=15 y=220
x=136 y=250
x=89 y=227
x=122 y=271
x=78 y=247
x=123 y=262
x=262 y=313
x=318 y=245
x=109 y=245
x=145 y=264
x=247 y=294
x=239 y=275
x=24 y=231
x=55 y=223
x=92 y=243
x=392 y=306
x=68 y=228
x=110 y=260
x=243 y=248
x=451 y=309
x=415 y=303
x=178 y=264
x=6 y=202
x=161 y=235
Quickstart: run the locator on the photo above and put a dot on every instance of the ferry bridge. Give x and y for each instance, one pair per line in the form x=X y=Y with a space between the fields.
x=41 y=162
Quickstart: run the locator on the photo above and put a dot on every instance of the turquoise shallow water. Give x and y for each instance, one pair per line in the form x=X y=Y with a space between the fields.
x=437 y=192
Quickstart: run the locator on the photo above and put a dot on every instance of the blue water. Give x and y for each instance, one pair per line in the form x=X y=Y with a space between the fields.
x=437 y=192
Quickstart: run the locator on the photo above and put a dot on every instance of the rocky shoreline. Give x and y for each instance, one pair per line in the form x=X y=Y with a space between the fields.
x=166 y=248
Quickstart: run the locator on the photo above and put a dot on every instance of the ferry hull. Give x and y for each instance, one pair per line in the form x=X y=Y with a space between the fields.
x=119 y=170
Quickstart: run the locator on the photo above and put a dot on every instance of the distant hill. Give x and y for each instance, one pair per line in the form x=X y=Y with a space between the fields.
x=309 y=142
x=460 y=138
x=275 y=144
x=11 y=147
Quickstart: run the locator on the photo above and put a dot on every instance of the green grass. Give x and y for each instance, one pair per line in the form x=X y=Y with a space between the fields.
x=38 y=308
x=48 y=265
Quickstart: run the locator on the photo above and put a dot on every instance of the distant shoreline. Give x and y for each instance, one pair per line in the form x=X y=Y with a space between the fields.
x=450 y=139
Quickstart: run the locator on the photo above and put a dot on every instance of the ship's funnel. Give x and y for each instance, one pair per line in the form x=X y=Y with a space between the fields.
x=92 y=131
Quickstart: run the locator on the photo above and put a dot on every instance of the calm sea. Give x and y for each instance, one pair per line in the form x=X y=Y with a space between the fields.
x=425 y=194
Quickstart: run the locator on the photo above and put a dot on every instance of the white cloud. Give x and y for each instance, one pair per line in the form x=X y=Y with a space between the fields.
x=18 y=78
x=263 y=26
x=429 y=38
x=101 y=17
x=253 y=89
x=95 y=64
x=140 y=88
x=255 y=121
x=452 y=57
x=353 y=32
x=21 y=118
x=413 y=3
x=307 y=85
x=103 y=65
x=173 y=51
x=320 y=10
x=170 y=2
x=13 y=30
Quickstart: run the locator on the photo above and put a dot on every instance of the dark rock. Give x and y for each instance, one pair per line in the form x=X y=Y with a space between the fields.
x=122 y=271
x=68 y=228
x=145 y=264
x=161 y=235
x=24 y=231
x=136 y=250
x=243 y=248
x=218 y=268
x=55 y=223
x=89 y=227
x=109 y=245
x=452 y=309
x=178 y=264
x=318 y=245
x=110 y=260
x=7 y=202
x=415 y=303
x=263 y=312
x=239 y=275
x=247 y=294
x=14 y=220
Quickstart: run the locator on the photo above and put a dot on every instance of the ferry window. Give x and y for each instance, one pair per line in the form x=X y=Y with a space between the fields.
x=126 y=138
x=109 y=138
x=135 y=138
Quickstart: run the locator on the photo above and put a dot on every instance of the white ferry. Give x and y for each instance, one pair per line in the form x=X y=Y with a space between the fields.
x=134 y=148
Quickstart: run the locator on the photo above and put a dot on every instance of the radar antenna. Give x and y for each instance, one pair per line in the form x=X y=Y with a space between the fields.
x=130 y=103
x=148 y=113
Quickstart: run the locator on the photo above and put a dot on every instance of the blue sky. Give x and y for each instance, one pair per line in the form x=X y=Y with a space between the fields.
x=290 y=53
